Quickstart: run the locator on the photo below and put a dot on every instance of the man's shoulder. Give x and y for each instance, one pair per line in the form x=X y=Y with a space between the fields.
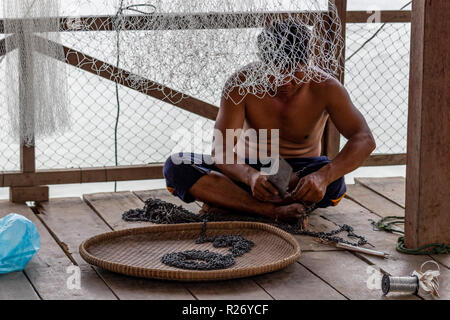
x=233 y=85
x=325 y=85
x=242 y=74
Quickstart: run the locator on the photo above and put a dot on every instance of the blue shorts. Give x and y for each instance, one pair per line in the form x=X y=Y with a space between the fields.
x=180 y=177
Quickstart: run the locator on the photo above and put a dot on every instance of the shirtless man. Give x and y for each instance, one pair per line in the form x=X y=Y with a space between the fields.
x=300 y=112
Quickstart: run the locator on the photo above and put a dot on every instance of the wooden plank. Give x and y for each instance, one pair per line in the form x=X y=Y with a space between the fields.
x=385 y=160
x=392 y=188
x=127 y=79
x=317 y=224
x=48 y=269
x=388 y=16
x=428 y=172
x=294 y=282
x=344 y=272
x=111 y=209
x=382 y=207
x=373 y=201
x=102 y=203
x=15 y=285
x=67 y=176
x=399 y=264
x=297 y=283
x=72 y=222
x=239 y=289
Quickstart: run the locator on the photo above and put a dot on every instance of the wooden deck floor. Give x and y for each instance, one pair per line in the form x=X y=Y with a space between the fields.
x=322 y=272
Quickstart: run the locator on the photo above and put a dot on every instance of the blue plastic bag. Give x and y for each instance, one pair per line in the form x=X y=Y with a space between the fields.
x=19 y=242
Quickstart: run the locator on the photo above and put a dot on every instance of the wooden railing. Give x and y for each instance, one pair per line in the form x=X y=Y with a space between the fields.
x=23 y=184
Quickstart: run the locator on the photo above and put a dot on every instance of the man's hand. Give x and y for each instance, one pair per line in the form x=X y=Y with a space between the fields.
x=310 y=188
x=262 y=189
x=293 y=182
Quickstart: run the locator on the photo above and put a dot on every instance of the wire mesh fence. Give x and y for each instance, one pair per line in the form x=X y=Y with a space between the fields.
x=377 y=78
x=149 y=130
x=146 y=131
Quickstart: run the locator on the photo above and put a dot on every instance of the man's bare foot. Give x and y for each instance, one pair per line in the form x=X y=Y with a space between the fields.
x=291 y=213
x=206 y=208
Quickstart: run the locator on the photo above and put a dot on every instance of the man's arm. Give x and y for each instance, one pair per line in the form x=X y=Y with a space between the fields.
x=231 y=116
x=352 y=125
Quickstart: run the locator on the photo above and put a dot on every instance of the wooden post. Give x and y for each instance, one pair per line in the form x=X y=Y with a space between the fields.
x=27 y=154
x=331 y=137
x=428 y=169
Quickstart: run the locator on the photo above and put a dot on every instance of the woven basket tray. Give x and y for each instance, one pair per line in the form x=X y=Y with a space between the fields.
x=138 y=251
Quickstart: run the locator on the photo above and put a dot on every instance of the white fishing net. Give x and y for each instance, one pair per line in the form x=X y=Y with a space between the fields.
x=168 y=49
x=208 y=48
x=36 y=84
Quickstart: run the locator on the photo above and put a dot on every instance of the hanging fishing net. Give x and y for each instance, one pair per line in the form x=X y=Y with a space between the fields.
x=169 y=49
x=206 y=49
x=36 y=84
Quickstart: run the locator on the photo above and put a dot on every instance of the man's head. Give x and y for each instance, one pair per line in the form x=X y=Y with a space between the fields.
x=284 y=45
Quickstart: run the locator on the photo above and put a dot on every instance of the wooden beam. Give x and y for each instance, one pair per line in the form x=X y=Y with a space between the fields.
x=82 y=175
x=208 y=20
x=27 y=151
x=387 y=16
x=12 y=44
x=428 y=171
x=341 y=6
x=27 y=160
x=24 y=194
x=129 y=80
x=394 y=159
x=124 y=173
x=41 y=177
x=158 y=21
x=332 y=138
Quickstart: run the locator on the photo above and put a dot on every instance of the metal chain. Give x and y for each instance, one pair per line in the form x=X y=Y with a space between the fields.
x=161 y=212
x=207 y=260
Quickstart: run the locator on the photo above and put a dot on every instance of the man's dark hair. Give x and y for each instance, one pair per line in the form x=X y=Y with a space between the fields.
x=284 y=44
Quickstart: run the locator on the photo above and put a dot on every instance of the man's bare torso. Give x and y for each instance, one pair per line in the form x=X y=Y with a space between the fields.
x=300 y=118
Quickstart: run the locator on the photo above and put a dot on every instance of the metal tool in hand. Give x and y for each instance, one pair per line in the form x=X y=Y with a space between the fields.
x=282 y=177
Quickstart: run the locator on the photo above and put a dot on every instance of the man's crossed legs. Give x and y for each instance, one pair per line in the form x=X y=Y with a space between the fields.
x=196 y=179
